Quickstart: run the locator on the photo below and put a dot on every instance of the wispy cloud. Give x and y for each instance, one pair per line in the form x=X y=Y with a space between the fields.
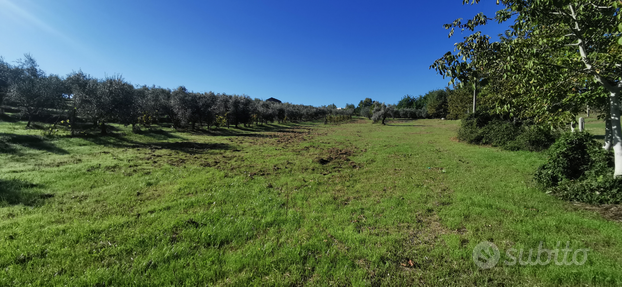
x=23 y=12
x=18 y=13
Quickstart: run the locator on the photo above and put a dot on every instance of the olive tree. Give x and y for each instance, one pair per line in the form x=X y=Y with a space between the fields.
x=32 y=91
x=113 y=100
x=7 y=74
x=381 y=112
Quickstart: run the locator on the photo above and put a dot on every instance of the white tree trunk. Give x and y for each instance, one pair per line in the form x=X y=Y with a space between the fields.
x=616 y=131
x=607 y=145
x=474 y=96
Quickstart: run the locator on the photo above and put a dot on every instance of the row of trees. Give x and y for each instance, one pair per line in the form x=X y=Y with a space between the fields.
x=434 y=104
x=556 y=58
x=101 y=101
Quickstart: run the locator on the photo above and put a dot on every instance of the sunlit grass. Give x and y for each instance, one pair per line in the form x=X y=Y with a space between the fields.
x=309 y=204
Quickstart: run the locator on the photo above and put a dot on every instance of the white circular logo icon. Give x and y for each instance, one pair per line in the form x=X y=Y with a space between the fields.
x=486 y=255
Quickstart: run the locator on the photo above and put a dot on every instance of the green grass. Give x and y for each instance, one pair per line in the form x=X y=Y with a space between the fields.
x=294 y=204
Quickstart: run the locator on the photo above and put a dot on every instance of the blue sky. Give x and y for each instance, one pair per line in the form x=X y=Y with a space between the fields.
x=300 y=51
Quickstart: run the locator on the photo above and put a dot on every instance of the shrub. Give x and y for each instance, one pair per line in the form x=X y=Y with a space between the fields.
x=533 y=138
x=498 y=133
x=574 y=156
x=483 y=128
x=603 y=189
x=470 y=128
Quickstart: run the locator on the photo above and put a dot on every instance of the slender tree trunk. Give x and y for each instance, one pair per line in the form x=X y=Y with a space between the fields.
x=607 y=145
x=616 y=131
x=72 y=123
x=474 y=96
x=103 y=128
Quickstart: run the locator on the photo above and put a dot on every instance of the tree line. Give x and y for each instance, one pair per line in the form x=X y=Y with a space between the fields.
x=81 y=97
x=438 y=103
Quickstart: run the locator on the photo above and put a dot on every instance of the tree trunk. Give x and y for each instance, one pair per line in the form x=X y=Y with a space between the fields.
x=103 y=128
x=72 y=123
x=474 y=96
x=616 y=131
x=607 y=145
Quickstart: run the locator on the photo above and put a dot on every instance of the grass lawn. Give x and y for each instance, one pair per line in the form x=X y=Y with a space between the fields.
x=293 y=204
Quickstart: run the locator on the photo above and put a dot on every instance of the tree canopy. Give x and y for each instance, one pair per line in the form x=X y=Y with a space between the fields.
x=557 y=56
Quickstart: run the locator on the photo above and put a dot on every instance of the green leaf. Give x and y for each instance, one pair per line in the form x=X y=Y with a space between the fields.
x=620 y=41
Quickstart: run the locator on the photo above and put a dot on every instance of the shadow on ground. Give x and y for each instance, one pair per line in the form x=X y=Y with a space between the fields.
x=8 y=118
x=16 y=192
x=120 y=141
x=248 y=131
x=9 y=141
x=158 y=134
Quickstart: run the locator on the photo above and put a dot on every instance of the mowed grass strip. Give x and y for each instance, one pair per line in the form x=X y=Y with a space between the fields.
x=303 y=204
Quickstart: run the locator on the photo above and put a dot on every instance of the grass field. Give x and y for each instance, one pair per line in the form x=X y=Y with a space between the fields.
x=293 y=204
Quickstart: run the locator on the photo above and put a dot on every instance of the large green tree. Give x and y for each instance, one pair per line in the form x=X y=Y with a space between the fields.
x=553 y=49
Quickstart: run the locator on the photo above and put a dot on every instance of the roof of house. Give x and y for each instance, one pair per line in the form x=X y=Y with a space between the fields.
x=273 y=100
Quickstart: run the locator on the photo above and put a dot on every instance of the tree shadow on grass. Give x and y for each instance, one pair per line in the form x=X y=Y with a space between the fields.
x=599 y=137
x=158 y=134
x=8 y=142
x=119 y=141
x=16 y=192
x=8 y=118
x=190 y=147
x=254 y=131
x=224 y=132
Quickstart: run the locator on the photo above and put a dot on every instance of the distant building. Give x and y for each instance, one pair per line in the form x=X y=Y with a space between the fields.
x=273 y=100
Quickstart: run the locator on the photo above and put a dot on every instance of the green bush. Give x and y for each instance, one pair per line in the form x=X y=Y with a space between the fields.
x=483 y=128
x=533 y=138
x=498 y=133
x=572 y=157
x=603 y=189
x=471 y=127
